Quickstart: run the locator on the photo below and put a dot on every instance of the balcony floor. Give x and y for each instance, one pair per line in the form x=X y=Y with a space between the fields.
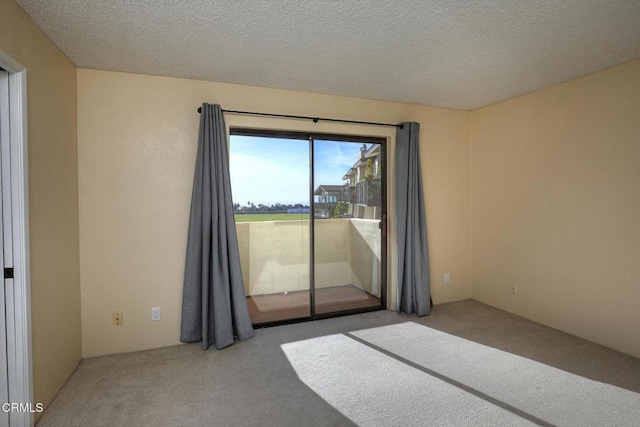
x=292 y=305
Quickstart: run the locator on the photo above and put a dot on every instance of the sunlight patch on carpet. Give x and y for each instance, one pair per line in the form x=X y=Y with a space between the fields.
x=410 y=374
x=373 y=389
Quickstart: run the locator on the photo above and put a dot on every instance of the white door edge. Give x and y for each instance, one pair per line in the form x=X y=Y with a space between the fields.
x=21 y=387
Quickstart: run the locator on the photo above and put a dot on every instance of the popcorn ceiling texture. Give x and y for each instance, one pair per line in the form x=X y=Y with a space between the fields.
x=457 y=54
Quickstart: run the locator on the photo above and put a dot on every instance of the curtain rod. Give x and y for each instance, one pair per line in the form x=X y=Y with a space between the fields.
x=315 y=119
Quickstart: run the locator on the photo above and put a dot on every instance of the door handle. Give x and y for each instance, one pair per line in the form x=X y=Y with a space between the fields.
x=383 y=225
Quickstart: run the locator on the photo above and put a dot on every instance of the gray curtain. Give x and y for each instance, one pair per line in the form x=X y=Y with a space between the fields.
x=214 y=306
x=413 y=256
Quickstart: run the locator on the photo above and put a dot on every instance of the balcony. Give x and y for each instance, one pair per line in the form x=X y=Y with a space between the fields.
x=275 y=255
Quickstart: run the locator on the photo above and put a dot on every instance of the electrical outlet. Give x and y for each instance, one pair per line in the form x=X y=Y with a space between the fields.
x=155 y=314
x=514 y=288
x=447 y=278
x=117 y=318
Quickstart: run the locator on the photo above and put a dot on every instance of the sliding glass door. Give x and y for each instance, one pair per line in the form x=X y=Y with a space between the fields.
x=347 y=225
x=310 y=215
x=270 y=187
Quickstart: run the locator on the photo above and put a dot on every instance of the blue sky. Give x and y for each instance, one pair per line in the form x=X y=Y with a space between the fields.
x=270 y=170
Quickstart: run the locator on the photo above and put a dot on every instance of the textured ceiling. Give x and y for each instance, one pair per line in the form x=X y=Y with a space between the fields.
x=449 y=53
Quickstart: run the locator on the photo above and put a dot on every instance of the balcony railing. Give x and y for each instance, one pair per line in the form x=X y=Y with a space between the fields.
x=365 y=192
x=324 y=206
x=349 y=195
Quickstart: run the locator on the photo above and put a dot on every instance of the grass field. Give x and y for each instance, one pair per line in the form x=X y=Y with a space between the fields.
x=271 y=217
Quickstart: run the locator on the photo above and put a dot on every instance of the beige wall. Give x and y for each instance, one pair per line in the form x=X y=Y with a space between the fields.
x=53 y=199
x=136 y=140
x=556 y=206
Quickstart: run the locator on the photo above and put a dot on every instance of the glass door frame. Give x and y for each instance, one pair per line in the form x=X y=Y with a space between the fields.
x=311 y=137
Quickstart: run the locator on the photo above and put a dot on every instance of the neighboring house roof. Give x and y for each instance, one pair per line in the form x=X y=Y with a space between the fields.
x=349 y=173
x=369 y=153
x=328 y=189
x=373 y=151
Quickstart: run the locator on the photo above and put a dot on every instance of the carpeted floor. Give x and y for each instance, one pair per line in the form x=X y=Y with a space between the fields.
x=465 y=364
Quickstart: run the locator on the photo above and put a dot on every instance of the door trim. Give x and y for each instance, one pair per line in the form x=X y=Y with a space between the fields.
x=21 y=385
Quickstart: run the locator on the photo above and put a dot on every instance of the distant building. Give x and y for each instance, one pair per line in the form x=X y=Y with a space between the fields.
x=326 y=197
x=298 y=210
x=362 y=190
